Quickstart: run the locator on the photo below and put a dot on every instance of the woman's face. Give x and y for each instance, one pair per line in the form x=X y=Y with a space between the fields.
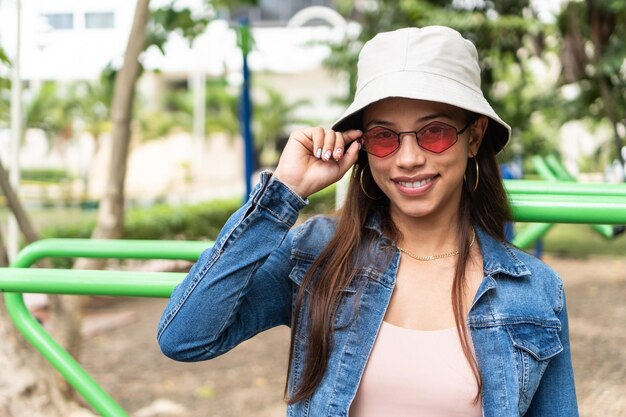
x=420 y=183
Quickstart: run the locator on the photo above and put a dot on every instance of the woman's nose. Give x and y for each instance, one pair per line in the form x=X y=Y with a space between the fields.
x=409 y=154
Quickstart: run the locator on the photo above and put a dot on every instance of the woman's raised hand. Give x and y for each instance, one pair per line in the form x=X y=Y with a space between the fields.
x=315 y=157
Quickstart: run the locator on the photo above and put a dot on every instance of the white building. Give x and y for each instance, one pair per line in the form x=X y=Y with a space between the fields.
x=68 y=40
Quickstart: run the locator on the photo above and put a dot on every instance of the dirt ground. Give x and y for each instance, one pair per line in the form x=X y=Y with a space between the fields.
x=249 y=380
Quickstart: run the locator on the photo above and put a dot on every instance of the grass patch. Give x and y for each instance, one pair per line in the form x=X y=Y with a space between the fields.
x=580 y=241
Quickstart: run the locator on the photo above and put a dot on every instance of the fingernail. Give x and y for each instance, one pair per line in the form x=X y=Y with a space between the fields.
x=327 y=155
x=338 y=152
x=318 y=154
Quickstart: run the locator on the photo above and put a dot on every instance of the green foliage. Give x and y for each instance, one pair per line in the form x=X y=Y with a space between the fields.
x=44 y=175
x=505 y=34
x=157 y=123
x=52 y=110
x=94 y=104
x=189 y=222
x=593 y=53
x=321 y=202
x=197 y=222
x=272 y=116
x=171 y=18
x=5 y=101
x=579 y=240
x=222 y=108
x=188 y=23
x=175 y=111
x=4 y=57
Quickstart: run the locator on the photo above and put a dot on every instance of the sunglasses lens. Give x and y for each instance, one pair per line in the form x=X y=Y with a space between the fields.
x=437 y=137
x=379 y=141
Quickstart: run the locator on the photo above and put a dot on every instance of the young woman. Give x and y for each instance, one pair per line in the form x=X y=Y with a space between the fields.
x=408 y=302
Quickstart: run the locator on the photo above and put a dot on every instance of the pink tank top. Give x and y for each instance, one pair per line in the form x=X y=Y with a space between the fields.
x=416 y=373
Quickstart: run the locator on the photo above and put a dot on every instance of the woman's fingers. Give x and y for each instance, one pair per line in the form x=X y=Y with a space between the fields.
x=329 y=144
x=316 y=157
x=349 y=157
x=317 y=137
x=326 y=144
x=338 y=149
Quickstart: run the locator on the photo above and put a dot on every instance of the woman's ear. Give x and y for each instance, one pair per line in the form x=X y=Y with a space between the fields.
x=477 y=132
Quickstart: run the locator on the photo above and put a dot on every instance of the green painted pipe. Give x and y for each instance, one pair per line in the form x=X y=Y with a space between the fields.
x=71 y=370
x=551 y=169
x=111 y=249
x=526 y=207
x=514 y=187
x=558 y=169
x=563 y=175
x=531 y=233
x=539 y=164
x=36 y=335
x=87 y=282
x=568 y=209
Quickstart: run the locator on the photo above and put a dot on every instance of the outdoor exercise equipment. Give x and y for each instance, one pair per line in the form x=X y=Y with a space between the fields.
x=560 y=183
x=531 y=201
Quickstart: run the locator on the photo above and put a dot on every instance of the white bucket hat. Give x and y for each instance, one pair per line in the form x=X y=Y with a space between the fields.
x=433 y=63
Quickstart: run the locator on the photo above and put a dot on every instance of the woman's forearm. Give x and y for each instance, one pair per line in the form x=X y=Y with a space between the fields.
x=241 y=285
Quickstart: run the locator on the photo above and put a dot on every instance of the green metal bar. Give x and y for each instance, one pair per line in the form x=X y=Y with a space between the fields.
x=110 y=249
x=60 y=359
x=542 y=168
x=562 y=174
x=569 y=189
x=514 y=187
x=568 y=209
x=36 y=335
x=526 y=207
x=527 y=236
x=552 y=169
x=558 y=169
x=84 y=282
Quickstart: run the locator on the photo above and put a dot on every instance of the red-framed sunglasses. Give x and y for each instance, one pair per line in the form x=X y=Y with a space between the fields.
x=435 y=137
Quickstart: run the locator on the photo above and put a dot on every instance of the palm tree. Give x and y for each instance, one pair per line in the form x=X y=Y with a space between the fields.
x=272 y=118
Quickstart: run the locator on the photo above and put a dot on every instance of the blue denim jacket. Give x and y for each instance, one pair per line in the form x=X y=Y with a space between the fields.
x=248 y=281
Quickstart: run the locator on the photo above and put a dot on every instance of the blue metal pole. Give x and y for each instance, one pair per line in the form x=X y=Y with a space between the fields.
x=246 y=106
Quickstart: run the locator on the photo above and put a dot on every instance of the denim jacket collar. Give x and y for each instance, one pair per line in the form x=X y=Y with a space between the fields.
x=498 y=257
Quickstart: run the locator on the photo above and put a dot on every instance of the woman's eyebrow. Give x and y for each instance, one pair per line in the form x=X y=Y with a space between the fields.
x=380 y=122
x=435 y=116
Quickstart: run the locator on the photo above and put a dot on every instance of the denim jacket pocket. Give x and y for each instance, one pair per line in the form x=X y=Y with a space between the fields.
x=534 y=344
x=539 y=339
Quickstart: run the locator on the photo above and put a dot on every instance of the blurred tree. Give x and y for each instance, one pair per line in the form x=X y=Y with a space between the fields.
x=66 y=317
x=176 y=111
x=4 y=89
x=507 y=34
x=52 y=110
x=93 y=106
x=272 y=116
x=148 y=29
x=26 y=378
x=593 y=58
x=222 y=108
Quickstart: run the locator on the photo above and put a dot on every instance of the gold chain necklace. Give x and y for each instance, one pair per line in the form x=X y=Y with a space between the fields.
x=440 y=256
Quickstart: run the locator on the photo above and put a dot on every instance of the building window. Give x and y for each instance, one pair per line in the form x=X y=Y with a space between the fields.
x=60 y=21
x=273 y=11
x=100 y=20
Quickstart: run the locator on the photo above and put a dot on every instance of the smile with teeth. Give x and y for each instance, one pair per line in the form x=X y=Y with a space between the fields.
x=415 y=184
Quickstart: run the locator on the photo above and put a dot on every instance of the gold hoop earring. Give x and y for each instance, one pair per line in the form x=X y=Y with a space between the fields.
x=477 y=176
x=363 y=188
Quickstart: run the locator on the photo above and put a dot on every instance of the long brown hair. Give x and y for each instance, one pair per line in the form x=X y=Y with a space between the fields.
x=486 y=207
